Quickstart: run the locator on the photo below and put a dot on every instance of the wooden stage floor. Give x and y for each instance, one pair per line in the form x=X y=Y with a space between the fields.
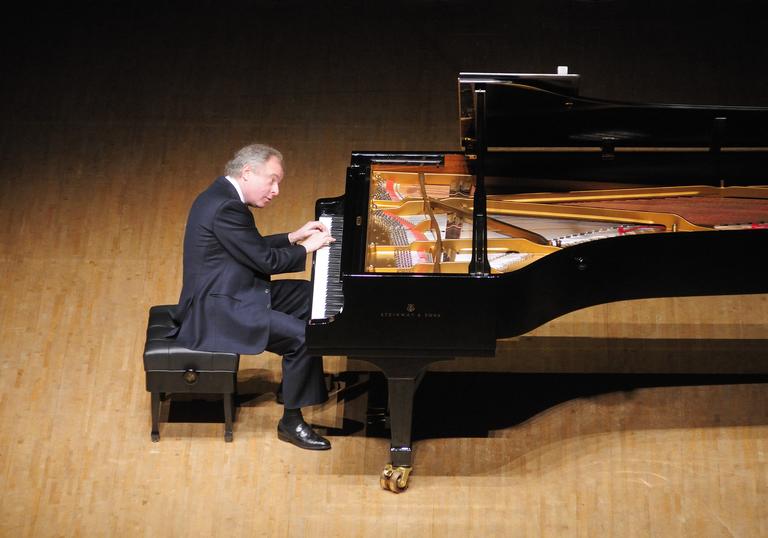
x=110 y=131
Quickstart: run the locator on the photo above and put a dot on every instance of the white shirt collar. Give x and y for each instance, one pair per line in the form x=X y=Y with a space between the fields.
x=237 y=186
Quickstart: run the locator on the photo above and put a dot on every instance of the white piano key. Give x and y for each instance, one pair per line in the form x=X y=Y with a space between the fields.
x=326 y=286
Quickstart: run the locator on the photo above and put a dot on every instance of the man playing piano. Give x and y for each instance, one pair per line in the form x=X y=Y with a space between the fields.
x=228 y=302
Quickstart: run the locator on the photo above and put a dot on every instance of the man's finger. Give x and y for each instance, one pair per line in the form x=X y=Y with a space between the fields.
x=315 y=225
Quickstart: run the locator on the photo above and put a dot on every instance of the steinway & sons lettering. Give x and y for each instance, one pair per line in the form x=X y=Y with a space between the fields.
x=411 y=313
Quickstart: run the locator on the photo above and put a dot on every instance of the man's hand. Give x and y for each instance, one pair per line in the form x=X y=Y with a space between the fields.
x=317 y=241
x=312 y=227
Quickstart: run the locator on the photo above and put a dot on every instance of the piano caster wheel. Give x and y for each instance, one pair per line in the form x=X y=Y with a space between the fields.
x=155 y=437
x=395 y=479
x=227 y=437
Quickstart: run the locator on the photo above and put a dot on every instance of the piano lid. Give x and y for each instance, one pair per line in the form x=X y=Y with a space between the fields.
x=542 y=118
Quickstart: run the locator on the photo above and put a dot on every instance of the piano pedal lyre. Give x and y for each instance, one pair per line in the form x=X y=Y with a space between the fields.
x=395 y=479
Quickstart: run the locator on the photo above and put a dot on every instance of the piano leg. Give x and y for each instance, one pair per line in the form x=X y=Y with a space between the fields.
x=403 y=377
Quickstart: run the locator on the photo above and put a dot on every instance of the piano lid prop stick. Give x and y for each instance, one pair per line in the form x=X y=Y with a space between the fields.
x=479 y=265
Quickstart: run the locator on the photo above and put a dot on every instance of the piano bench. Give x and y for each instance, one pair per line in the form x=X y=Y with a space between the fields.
x=173 y=369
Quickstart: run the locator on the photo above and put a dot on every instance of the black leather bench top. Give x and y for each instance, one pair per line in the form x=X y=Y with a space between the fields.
x=161 y=353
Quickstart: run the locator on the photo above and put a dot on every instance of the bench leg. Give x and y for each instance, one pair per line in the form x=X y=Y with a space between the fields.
x=155 y=403
x=228 y=417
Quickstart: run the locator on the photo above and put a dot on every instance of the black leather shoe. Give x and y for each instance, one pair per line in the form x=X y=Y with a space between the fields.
x=303 y=436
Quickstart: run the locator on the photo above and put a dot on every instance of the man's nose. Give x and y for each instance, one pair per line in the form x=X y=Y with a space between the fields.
x=275 y=190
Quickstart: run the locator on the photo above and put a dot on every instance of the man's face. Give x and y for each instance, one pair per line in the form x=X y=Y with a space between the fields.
x=261 y=183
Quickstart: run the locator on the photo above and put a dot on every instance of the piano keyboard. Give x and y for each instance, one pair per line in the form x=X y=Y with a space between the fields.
x=327 y=296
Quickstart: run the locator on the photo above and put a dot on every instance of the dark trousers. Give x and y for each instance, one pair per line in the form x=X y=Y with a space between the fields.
x=303 y=382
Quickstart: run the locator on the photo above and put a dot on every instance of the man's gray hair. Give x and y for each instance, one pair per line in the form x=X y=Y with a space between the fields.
x=253 y=154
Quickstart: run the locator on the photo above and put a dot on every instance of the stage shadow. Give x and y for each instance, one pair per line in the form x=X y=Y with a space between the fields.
x=524 y=416
x=464 y=404
x=475 y=404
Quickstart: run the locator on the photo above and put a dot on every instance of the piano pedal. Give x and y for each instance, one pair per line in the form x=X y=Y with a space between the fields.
x=377 y=423
x=346 y=386
x=333 y=383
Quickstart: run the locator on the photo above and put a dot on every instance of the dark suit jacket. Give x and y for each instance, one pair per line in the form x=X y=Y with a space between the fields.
x=227 y=263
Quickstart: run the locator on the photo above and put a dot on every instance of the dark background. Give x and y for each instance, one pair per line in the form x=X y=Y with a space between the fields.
x=347 y=64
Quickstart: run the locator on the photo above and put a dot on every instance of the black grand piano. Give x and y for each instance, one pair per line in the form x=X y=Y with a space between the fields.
x=558 y=202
